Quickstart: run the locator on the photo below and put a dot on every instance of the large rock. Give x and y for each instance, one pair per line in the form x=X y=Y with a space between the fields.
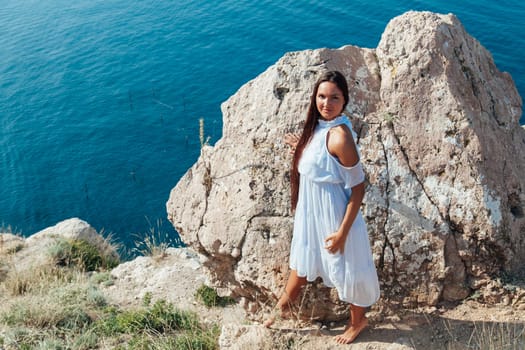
x=71 y=229
x=439 y=130
x=174 y=276
x=451 y=162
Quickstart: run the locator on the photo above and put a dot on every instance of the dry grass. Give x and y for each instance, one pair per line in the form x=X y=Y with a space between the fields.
x=46 y=305
x=493 y=336
x=36 y=280
x=63 y=308
x=59 y=305
x=155 y=242
x=487 y=336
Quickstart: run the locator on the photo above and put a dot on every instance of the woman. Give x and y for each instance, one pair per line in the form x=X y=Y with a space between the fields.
x=330 y=238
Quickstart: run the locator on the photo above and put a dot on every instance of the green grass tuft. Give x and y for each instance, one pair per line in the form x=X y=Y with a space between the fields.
x=146 y=300
x=202 y=340
x=210 y=298
x=161 y=317
x=160 y=326
x=80 y=254
x=103 y=278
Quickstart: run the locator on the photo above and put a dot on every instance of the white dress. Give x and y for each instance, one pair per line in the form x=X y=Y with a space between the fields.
x=324 y=191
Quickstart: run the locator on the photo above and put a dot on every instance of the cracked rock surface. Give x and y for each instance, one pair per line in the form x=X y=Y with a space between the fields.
x=438 y=126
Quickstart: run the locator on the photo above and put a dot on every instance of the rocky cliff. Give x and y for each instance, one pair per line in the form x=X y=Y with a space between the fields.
x=443 y=150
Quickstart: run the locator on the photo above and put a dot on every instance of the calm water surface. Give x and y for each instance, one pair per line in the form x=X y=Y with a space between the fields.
x=100 y=100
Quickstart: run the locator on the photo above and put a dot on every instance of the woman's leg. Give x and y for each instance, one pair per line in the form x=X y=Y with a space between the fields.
x=293 y=287
x=357 y=323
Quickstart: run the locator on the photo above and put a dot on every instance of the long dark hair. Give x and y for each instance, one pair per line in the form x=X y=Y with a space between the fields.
x=312 y=118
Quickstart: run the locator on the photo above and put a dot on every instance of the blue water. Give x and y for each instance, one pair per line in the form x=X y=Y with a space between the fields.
x=100 y=100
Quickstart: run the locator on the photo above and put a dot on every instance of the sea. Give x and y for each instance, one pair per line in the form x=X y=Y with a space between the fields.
x=100 y=100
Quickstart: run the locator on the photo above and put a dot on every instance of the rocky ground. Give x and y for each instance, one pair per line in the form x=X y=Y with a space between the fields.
x=177 y=275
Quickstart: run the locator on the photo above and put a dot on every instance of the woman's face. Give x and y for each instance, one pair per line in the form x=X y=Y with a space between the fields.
x=329 y=100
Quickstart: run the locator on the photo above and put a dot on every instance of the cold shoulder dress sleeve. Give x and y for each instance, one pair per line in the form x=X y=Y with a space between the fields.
x=325 y=188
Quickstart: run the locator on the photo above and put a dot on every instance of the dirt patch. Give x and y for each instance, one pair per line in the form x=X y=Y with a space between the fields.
x=469 y=325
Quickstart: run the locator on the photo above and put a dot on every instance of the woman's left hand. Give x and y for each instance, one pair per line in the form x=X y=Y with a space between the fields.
x=335 y=242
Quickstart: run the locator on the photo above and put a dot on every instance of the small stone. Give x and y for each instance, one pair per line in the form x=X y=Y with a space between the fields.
x=431 y=310
x=236 y=252
x=508 y=313
x=253 y=308
x=394 y=318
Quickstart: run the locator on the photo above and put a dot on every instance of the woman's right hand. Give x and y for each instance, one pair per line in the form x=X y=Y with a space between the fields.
x=291 y=140
x=335 y=242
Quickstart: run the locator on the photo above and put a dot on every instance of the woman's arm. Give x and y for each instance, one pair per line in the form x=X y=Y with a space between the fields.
x=341 y=145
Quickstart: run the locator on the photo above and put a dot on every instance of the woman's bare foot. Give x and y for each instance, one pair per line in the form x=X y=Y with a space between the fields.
x=277 y=313
x=352 y=332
